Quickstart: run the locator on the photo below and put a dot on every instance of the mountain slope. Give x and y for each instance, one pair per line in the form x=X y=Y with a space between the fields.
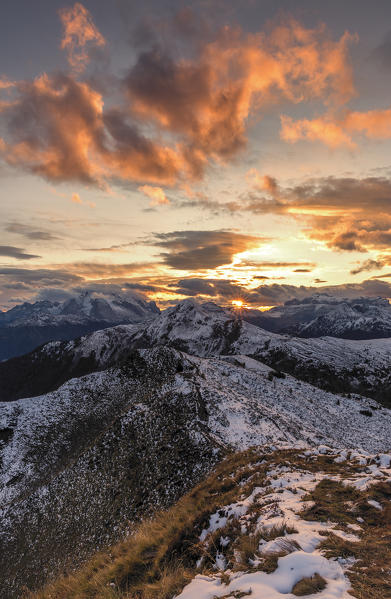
x=265 y=523
x=81 y=463
x=337 y=365
x=124 y=442
x=27 y=326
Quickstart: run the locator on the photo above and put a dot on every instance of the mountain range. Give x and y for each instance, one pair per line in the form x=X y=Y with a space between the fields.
x=322 y=314
x=28 y=325
x=100 y=432
x=336 y=365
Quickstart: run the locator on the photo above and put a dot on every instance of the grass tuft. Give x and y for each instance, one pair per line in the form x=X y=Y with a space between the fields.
x=309 y=586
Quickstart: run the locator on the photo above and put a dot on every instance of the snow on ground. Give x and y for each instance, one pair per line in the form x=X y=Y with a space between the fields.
x=244 y=408
x=247 y=408
x=279 y=504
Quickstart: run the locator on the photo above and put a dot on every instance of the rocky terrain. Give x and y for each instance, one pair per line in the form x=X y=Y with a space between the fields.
x=79 y=463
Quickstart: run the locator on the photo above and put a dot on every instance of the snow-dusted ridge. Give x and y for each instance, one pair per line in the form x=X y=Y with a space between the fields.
x=29 y=325
x=338 y=365
x=321 y=314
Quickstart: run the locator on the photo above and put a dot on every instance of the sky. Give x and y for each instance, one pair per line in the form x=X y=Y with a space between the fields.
x=224 y=150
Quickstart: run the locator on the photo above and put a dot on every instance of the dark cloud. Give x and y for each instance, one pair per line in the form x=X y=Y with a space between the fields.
x=29 y=232
x=382 y=53
x=194 y=287
x=220 y=290
x=276 y=294
x=224 y=291
x=368 y=265
x=180 y=94
x=53 y=294
x=135 y=157
x=193 y=250
x=140 y=287
x=14 y=252
x=38 y=275
x=18 y=286
x=31 y=280
x=112 y=248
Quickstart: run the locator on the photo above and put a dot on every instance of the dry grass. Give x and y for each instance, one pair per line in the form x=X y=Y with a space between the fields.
x=269 y=561
x=332 y=501
x=247 y=547
x=309 y=586
x=370 y=574
x=159 y=559
x=276 y=531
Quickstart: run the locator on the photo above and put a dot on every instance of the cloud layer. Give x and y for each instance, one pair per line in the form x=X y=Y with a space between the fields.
x=337 y=130
x=200 y=250
x=344 y=213
x=174 y=114
x=11 y=251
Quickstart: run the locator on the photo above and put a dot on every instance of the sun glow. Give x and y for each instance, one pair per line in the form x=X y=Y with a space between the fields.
x=237 y=303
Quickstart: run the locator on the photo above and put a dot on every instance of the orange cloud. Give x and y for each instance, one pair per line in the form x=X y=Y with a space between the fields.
x=196 y=110
x=263 y=182
x=6 y=83
x=54 y=125
x=76 y=199
x=58 y=129
x=79 y=33
x=207 y=100
x=321 y=129
x=344 y=213
x=157 y=195
x=336 y=131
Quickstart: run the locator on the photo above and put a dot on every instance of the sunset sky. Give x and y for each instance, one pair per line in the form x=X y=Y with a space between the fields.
x=220 y=149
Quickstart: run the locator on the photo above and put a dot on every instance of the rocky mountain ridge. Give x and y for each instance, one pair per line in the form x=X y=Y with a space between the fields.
x=337 y=365
x=137 y=414
x=320 y=315
x=29 y=325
